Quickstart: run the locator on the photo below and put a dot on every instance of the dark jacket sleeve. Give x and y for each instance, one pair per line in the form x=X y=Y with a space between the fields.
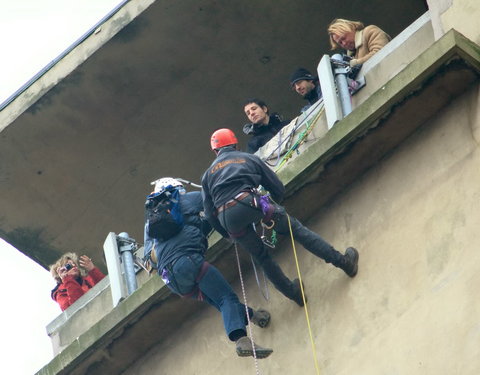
x=270 y=181
x=206 y=227
x=252 y=145
x=210 y=209
x=195 y=213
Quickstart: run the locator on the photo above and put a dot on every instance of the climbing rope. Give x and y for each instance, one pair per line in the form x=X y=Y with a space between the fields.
x=265 y=293
x=303 y=297
x=301 y=139
x=307 y=122
x=280 y=143
x=246 y=311
x=270 y=243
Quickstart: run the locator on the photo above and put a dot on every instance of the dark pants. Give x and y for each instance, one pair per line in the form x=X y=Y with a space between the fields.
x=238 y=219
x=214 y=289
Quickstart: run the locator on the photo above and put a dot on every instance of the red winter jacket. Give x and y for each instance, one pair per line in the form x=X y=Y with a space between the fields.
x=73 y=288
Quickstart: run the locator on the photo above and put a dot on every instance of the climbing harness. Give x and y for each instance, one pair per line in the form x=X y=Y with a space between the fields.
x=272 y=242
x=273 y=238
x=268 y=223
x=303 y=297
x=168 y=278
x=246 y=311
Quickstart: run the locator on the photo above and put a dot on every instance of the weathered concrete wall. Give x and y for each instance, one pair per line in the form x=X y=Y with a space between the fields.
x=81 y=315
x=395 y=56
x=412 y=309
x=461 y=15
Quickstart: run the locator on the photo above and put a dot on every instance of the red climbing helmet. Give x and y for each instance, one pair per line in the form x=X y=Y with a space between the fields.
x=221 y=138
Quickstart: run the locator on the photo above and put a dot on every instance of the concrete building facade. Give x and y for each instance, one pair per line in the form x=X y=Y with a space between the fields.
x=398 y=179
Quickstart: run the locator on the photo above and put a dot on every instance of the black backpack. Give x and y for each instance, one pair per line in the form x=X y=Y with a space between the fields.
x=163 y=214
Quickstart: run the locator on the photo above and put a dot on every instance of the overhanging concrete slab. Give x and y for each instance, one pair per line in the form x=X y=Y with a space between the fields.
x=139 y=99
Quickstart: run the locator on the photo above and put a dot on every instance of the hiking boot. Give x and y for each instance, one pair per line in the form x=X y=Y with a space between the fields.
x=260 y=318
x=350 y=262
x=297 y=294
x=244 y=348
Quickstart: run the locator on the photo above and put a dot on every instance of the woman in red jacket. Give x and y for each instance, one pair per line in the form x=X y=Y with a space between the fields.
x=74 y=277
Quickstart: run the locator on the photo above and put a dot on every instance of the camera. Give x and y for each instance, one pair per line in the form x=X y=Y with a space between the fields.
x=68 y=266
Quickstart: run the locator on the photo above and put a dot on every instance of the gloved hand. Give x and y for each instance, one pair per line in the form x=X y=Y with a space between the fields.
x=354 y=70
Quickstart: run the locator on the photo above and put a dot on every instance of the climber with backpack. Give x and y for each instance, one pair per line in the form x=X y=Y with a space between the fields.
x=175 y=245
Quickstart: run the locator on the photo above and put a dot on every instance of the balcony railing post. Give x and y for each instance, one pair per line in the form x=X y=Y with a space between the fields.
x=340 y=72
x=121 y=274
x=115 y=274
x=127 y=247
x=333 y=109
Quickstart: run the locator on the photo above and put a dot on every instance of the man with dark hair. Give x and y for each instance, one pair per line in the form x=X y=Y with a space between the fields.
x=263 y=125
x=232 y=204
x=306 y=85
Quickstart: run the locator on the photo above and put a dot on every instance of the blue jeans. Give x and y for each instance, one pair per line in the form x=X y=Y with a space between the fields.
x=215 y=289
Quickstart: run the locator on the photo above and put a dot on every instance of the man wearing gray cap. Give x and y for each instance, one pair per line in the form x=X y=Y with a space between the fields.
x=306 y=85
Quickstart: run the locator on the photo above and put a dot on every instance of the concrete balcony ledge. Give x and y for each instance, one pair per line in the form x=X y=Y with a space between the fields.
x=85 y=312
x=63 y=328
x=87 y=45
x=396 y=110
x=382 y=67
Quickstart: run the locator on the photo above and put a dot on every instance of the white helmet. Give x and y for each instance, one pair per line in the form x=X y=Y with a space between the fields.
x=165 y=183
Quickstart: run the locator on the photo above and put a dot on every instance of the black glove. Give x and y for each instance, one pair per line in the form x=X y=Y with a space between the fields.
x=354 y=71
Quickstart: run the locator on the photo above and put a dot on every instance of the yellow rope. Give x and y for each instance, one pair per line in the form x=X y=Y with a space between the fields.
x=303 y=297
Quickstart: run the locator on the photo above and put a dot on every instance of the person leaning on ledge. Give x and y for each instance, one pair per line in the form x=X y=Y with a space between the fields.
x=360 y=42
x=74 y=277
x=263 y=125
x=307 y=86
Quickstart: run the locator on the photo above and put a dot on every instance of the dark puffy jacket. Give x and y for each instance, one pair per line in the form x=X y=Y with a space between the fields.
x=191 y=239
x=263 y=133
x=231 y=173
